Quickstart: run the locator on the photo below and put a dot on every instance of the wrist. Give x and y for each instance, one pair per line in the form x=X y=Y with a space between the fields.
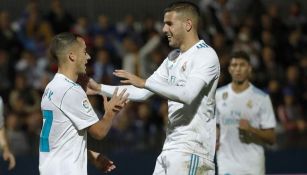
x=108 y=114
x=5 y=148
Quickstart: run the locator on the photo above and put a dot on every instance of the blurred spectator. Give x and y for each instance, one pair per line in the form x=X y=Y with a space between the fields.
x=102 y=67
x=290 y=113
x=59 y=18
x=23 y=99
x=296 y=18
x=6 y=72
x=16 y=135
x=8 y=37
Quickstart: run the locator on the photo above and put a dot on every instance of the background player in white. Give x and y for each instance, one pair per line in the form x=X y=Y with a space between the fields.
x=68 y=115
x=188 y=78
x=245 y=120
x=4 y=145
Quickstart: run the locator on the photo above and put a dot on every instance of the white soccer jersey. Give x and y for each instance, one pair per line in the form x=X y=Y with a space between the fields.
x=63 y=142
x=1 y=113
x=235 y=157
x=191 y=128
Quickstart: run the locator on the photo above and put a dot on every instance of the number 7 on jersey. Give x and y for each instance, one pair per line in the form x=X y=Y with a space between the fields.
x=44 y=138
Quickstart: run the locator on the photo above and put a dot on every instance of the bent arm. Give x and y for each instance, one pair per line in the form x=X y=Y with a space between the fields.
x=267 y=136
x=135 y=94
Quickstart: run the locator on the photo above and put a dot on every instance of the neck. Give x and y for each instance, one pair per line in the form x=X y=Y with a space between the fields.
x=189 y=41
x=239 y=86
x=68 y=73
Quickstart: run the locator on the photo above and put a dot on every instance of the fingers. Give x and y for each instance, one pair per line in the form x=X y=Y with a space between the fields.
x=122 y=93
x=124 y=99
x=10 y=158
x=115 y=92
x=121 y=74
x=105 y=99
x=125 y=81
x=12 y=163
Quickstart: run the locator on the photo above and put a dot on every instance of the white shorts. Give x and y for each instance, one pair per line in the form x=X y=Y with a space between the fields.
x=179 y=163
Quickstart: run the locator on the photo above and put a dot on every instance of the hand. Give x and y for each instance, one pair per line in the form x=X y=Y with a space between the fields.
x=116 y=103
x=130 y=78
x=101 y=162
x=8 y=156
x=93 y=88
x=244 y=125
x=104 y=164
x=244 y=131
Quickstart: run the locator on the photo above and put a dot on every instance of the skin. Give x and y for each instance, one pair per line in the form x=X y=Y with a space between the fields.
x=181 y=33
x=74 y=60
x=7 y=154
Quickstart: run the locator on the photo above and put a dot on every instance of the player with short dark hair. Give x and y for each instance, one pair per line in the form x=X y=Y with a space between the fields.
x=188 y=78
x=246 y=121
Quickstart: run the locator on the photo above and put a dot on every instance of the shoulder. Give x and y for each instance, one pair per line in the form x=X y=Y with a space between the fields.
x=222 y=89
x=60 y=88
x=258 y=92
x=205 y=53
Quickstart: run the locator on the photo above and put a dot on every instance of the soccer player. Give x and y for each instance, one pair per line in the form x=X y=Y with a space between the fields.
x=245 y=120
x=68 y=114
x=188 y=78
x=7 y=154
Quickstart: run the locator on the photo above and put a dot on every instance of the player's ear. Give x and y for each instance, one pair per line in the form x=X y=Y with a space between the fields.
x=188 y=25
x=71 y=56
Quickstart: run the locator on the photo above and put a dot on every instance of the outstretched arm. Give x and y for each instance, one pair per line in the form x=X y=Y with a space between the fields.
x=135 y=94
x=183 y=94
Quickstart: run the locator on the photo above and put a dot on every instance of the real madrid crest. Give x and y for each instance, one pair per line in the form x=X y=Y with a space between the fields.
x=184 y=66
x=249 y=104
x=85 y=103
x=225 y=95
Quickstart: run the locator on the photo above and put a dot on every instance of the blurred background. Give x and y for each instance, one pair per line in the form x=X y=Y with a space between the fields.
x=127 y=34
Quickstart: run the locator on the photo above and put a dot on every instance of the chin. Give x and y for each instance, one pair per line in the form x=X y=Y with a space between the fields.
x=173 y=45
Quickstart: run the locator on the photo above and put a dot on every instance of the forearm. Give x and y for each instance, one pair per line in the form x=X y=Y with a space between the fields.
x=100 y=129
x=135 y=94
x=264 y=135
x=3 y=140
x=182 y=94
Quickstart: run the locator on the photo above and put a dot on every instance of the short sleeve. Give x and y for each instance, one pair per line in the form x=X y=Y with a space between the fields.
x=267 y=114
x=205 y=65
x=77 y=107
x=1 y=113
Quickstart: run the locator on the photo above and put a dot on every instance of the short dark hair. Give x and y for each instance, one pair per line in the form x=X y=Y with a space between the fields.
x=184 y=7
x=61 y=42
x=240 y=55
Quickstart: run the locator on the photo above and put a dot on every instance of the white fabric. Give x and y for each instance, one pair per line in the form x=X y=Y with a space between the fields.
x=233 y=156
x=1 y=113
x=177 y=163
x=191 y=122
x=72 y=114
x=135 y=94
